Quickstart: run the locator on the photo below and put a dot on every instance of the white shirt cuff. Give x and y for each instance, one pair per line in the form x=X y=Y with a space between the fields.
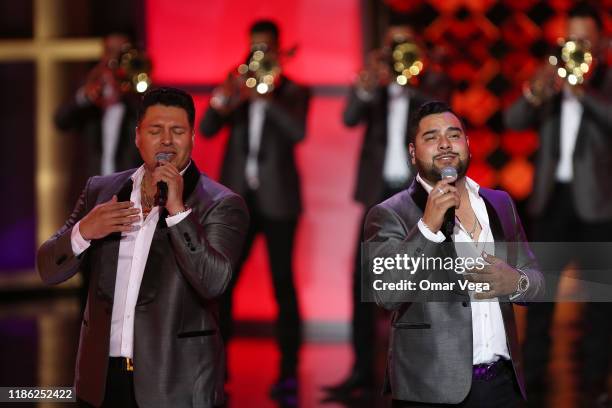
x=171 y=221
x=78 y=243
x=438 y=237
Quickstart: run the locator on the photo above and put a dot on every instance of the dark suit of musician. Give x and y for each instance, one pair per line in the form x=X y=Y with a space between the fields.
x=430 y=349
x=86 y=118
x=571 y=200
x=274 y=201
x=149 y=334
x=590 y=191
x=371 y=185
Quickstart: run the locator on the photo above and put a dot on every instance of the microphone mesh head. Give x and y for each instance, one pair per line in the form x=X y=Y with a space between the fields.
x=163 y=156
x=448 y=172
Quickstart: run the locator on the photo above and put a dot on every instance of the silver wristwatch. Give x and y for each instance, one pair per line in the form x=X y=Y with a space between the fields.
x=523 y=283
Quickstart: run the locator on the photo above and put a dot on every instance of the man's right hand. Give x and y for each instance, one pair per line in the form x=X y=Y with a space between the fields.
x=442 y=197
x=545 y=83
x=106 y=218
x=229 y=94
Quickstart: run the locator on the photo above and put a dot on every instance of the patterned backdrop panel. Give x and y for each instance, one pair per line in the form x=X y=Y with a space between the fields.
x=490 y=49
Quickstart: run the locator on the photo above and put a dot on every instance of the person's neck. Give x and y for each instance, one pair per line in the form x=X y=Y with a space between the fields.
x=147 y=179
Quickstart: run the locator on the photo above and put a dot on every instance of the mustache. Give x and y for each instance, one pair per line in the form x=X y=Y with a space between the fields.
x=445 y=154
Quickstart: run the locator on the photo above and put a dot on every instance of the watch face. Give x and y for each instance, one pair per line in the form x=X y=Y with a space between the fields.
x=523 y=283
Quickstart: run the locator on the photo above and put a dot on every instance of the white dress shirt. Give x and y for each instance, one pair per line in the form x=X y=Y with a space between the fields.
x=257 y=114
x=396 y=168
x=111 y=130
x=571 y=116
x=488 y=332
x=133 y=252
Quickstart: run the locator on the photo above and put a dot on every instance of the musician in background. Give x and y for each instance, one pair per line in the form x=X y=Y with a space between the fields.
x=267 y=119
x=104 y=113
x=572 y=193
x=103 y=116
x=383 y=100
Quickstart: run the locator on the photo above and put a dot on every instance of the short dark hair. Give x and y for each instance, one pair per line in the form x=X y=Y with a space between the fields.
x=428 y=108
x=167 y=97
x=265 y=26
x=586 y=10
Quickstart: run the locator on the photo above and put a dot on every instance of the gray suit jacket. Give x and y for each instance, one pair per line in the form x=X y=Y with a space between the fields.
x=178 y=351
x=592 y=159
x=430 y=346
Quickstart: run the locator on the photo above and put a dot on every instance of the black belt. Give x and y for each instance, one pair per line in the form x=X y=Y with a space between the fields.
x=486 y=372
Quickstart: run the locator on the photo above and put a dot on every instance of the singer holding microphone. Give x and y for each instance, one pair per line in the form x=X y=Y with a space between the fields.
x=462 y=352
x=159 y=244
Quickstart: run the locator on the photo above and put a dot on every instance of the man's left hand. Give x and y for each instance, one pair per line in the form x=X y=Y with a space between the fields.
x=501 y=277
x=169 y=174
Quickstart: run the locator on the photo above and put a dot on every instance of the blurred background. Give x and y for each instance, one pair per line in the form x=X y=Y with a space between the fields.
x=488 y=48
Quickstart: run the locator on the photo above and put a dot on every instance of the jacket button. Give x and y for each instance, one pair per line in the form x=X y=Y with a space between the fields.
x=418 y=250
x=464 y=304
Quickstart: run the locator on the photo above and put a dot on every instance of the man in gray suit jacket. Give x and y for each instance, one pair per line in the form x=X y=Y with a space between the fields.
x=149 y=335
x=460 y=352
x=380 y=103
x=572 y=192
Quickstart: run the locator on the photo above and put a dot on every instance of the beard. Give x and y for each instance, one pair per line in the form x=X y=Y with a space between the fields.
x=432 y=174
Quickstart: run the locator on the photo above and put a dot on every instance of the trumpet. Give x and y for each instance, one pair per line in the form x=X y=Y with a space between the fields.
x=261 y=71
x=573 y=60
x=406 y=59
x=133 y=70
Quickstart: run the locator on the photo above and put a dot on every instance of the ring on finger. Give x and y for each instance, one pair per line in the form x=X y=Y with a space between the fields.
x=441 y=191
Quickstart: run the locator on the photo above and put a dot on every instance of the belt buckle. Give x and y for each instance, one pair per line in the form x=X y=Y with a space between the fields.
x=129 y=364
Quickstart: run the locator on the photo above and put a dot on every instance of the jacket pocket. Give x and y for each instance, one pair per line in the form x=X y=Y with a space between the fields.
x=196 y=333
x=401 y=325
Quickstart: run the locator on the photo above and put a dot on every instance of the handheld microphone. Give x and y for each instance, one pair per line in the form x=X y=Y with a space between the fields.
x=449 y=218
x=162 y=188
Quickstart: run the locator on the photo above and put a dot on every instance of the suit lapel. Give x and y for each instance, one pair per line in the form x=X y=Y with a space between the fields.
x=161 y=247
x=502 y=227
x=418 y=194
x=505 y=250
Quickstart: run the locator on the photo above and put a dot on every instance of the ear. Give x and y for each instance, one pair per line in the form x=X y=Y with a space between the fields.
x=411 y=151
x=137 y=139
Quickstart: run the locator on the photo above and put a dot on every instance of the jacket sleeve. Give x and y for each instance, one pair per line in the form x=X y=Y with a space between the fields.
x=289 y=113
x=55 y=259
x=73 y=114
x=521 y=115
x=386 y=237
x=526 y=261
x=207 y=246
x=356 y=109
x=212 y=122
x=597 y=103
